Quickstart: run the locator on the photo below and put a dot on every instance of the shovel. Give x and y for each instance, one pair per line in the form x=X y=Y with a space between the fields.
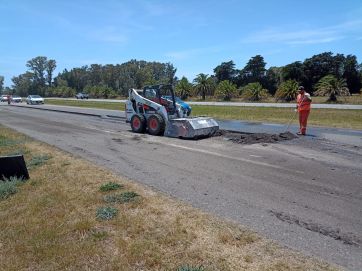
x=291 y=120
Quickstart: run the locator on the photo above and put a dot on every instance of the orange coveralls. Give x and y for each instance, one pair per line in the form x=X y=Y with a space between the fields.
x=303 y=108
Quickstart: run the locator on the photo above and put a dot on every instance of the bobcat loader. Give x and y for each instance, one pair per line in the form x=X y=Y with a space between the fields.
x=154 y=109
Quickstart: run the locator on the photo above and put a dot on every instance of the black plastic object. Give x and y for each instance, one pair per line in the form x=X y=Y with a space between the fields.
x=13 y=166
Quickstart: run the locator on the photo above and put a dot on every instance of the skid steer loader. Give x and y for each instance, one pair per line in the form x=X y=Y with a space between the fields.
x=154 y=109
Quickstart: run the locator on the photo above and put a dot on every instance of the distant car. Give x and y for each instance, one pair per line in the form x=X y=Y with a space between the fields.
x=16 y=99
x=4 y=98
x=81 y=96
x=185 y=106
x=34 y=99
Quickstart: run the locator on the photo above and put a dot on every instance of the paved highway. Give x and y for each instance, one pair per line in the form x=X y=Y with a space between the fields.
x=305 y=193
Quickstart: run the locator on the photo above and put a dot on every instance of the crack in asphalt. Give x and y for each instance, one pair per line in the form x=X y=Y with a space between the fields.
x=346 y=238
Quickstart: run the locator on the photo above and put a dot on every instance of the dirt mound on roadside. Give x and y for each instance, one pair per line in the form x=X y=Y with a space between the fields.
x=253 y=138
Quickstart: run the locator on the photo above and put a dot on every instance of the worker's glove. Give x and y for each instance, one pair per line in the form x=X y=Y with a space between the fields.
x=295 y=110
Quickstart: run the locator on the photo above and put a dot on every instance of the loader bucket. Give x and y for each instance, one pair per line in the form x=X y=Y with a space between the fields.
x=191 y=127
x=13 y=166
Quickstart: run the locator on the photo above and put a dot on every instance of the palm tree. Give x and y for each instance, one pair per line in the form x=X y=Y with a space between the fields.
x=183 y=88
x=287 y=91
x=226 y=90
x=254 y=92
x=203 y=84
x=332 y=87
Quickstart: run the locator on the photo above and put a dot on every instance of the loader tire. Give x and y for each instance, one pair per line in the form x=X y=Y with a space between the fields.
x=138 y=123
x=156 y=125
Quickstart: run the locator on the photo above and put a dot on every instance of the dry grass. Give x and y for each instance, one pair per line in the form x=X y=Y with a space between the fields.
x=50 y=224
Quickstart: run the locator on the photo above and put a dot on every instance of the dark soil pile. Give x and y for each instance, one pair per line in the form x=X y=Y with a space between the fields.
x=252 y=138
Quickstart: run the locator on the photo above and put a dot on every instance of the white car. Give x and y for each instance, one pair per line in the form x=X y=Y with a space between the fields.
x=4 y=98
x=16 y=99
x=34 y=99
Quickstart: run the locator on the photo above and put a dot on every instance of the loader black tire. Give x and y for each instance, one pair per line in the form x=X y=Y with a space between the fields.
x=138 y=123
x=156 y=125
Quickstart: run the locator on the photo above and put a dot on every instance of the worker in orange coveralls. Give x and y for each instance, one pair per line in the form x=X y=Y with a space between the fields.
x=303 y=106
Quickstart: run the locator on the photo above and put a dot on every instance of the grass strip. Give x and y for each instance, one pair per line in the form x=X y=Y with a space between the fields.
x=338 y=118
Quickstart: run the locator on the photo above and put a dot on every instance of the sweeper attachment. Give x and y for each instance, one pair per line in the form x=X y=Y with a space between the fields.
x=154 y=109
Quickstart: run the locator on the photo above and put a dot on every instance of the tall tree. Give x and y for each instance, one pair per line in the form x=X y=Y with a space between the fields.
x=352 y=74
x=273 y=79
x=23 y=84
x=38 y=67
x=226 y=71
x=1 y=83
x=50 y=67
x=293 y=71
x=203 y=84
x=322 y=65
x=254 y=71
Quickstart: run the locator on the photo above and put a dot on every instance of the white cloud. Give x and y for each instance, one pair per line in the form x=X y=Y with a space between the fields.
x=307 y=35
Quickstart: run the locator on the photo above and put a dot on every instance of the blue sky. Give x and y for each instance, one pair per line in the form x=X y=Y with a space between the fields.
x=195 y=36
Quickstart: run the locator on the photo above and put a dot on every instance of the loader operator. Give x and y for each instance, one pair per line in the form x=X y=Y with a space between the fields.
x=303 y=106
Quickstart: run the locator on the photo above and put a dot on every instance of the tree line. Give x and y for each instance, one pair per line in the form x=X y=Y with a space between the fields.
x=323 y=74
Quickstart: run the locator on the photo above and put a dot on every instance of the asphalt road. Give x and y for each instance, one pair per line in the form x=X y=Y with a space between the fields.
x=305 y=193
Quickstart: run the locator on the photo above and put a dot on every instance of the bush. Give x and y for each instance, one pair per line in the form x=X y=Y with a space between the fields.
x=190 y=268
x=8 y=187
x=332 y=87
x=61 y=91
x=121 y=198
x=110 y=186
x=226 y=90
x=287 y=91
x=106 y=213
x=100 y=91
x=254 y=92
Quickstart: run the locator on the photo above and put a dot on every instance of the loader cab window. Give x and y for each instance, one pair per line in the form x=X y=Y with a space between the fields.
x=151 y=94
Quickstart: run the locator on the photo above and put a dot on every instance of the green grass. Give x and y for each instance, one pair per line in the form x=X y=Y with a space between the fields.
x=338 y=118
x=320 y=117
x=106 y=213
x=38 y=160
x=6 y=141
x=190 y=268
x=8 y=187
x=354 y=99
x=110 y=186
x=120 y=198
x=87 y=104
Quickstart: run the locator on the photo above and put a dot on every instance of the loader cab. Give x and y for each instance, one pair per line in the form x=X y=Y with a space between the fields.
x=157 y=93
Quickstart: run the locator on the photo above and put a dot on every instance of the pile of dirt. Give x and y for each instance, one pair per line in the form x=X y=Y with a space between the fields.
x=252 y=138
